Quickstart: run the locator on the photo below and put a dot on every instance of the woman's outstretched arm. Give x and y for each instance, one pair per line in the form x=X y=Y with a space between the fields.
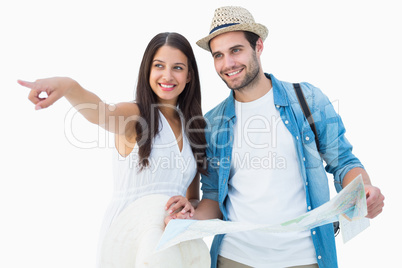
x=112 y=117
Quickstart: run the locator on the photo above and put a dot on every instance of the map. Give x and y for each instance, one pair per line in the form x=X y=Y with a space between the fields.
x=349 y=207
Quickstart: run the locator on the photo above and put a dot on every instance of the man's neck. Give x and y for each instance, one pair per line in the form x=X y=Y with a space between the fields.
x=254 y=91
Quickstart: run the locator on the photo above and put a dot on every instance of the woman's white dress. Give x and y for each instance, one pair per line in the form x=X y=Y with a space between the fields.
x=136 y=211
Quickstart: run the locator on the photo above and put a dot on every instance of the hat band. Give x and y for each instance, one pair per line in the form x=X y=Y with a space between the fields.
x=222 y=26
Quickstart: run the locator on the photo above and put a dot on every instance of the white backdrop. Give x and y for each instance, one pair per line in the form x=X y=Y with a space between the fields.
x=55 y=175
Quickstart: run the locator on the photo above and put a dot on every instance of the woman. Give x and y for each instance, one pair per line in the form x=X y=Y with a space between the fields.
x=159 y=154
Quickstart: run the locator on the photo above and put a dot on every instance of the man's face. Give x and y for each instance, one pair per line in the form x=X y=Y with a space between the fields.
x=235 y=60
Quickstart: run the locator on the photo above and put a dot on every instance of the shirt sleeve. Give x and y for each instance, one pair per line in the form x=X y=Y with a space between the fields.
x=335 y=149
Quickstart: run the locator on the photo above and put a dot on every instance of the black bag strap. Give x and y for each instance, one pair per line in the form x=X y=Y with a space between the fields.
x=307 y=113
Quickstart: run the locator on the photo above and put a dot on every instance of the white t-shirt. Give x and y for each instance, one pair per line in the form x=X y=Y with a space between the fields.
x=265 y=187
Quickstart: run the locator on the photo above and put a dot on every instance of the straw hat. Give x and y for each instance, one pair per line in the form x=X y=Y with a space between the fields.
x=229 y=19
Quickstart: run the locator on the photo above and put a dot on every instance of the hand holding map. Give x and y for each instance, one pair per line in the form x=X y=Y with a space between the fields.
x=349 y=207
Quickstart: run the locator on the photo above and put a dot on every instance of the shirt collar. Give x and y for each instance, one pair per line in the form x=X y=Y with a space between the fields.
x=280 y=97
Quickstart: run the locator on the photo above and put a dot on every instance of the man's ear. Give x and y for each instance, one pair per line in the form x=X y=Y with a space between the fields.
x=259 y=47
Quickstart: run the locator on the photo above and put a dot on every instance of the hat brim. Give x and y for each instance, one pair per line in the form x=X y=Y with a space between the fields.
x=256 y=28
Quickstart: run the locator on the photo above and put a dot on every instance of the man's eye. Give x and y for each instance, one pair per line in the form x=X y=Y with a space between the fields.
x=236 y=50
x=217 y=56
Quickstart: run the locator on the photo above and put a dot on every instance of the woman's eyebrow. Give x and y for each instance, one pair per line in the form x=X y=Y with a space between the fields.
x=177 y=63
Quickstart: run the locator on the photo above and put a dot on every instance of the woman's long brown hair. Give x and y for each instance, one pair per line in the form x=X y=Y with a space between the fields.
x=189 y=102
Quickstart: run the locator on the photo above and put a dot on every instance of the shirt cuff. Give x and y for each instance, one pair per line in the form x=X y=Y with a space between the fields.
x=342 y=173
x=213 y=195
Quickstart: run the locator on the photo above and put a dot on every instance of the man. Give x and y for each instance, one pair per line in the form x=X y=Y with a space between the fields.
x=264 y=166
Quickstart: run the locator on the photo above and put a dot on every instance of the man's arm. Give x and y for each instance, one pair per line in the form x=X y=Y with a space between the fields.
x=337 y=153
x=375 y=199
x=207 y=209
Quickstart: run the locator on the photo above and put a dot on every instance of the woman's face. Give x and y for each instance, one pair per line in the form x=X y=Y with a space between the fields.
x=169 y=74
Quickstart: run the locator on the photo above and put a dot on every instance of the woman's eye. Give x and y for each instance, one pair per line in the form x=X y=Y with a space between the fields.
x=178 y=68
x=158 y=65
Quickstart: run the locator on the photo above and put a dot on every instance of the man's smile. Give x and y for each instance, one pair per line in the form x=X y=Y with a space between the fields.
x=234 y=73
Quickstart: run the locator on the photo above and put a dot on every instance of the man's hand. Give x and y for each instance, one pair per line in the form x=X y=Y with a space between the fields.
x=375 y=201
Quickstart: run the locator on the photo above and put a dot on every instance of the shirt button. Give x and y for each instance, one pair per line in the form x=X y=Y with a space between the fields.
x=313 y=232
x=297 y=137
x=218 y=163
x=307 y=138
x=277 y=106
x=306 y=182
x=286 y=122
x=319 y=257
x=304 y=159
x=309 y=208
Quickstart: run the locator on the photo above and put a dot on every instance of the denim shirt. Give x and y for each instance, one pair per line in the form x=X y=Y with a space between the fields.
x=334 y=149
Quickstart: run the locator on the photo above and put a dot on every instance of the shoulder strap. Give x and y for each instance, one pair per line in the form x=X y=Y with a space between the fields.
x=306 y=110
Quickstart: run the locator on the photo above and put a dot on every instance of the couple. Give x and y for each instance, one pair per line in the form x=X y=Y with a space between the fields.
x=260 y=120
